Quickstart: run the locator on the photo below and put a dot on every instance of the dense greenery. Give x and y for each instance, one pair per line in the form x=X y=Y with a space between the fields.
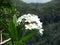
x=7 y=10
x=50 y=16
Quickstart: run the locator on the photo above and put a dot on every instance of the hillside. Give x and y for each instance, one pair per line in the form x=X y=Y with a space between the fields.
x=49 y=14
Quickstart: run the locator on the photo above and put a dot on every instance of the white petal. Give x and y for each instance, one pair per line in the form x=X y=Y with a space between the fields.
x=41 y=31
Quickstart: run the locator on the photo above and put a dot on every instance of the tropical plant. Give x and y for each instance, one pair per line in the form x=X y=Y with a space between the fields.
x=24 y=28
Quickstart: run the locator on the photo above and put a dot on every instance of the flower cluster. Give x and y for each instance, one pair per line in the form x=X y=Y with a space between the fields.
x=33 y=22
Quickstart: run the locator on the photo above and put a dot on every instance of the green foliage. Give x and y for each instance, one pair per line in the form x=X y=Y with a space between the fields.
x=49 y=14
x=7 y=9
x=15 y=20
x=12 y=31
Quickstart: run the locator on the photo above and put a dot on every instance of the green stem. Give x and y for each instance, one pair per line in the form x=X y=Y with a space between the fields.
x=12 y=42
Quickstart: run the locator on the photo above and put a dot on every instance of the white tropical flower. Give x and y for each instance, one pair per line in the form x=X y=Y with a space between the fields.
x=41 y=31
x=33 y=22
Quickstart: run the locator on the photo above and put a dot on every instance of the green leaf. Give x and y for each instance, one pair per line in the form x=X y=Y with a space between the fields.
x=13 y=31
x=24 y=39
x=15 y=20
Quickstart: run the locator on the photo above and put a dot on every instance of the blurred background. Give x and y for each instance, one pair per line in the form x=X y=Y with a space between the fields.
x=48 y=12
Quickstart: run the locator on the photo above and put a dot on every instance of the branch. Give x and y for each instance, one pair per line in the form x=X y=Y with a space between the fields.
x=5 y=41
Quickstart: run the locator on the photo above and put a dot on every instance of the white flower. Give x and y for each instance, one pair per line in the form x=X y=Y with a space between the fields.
x=40 y=24
x=27 y=27
x=41 y=31
x=31 y=26
x=33 y=22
